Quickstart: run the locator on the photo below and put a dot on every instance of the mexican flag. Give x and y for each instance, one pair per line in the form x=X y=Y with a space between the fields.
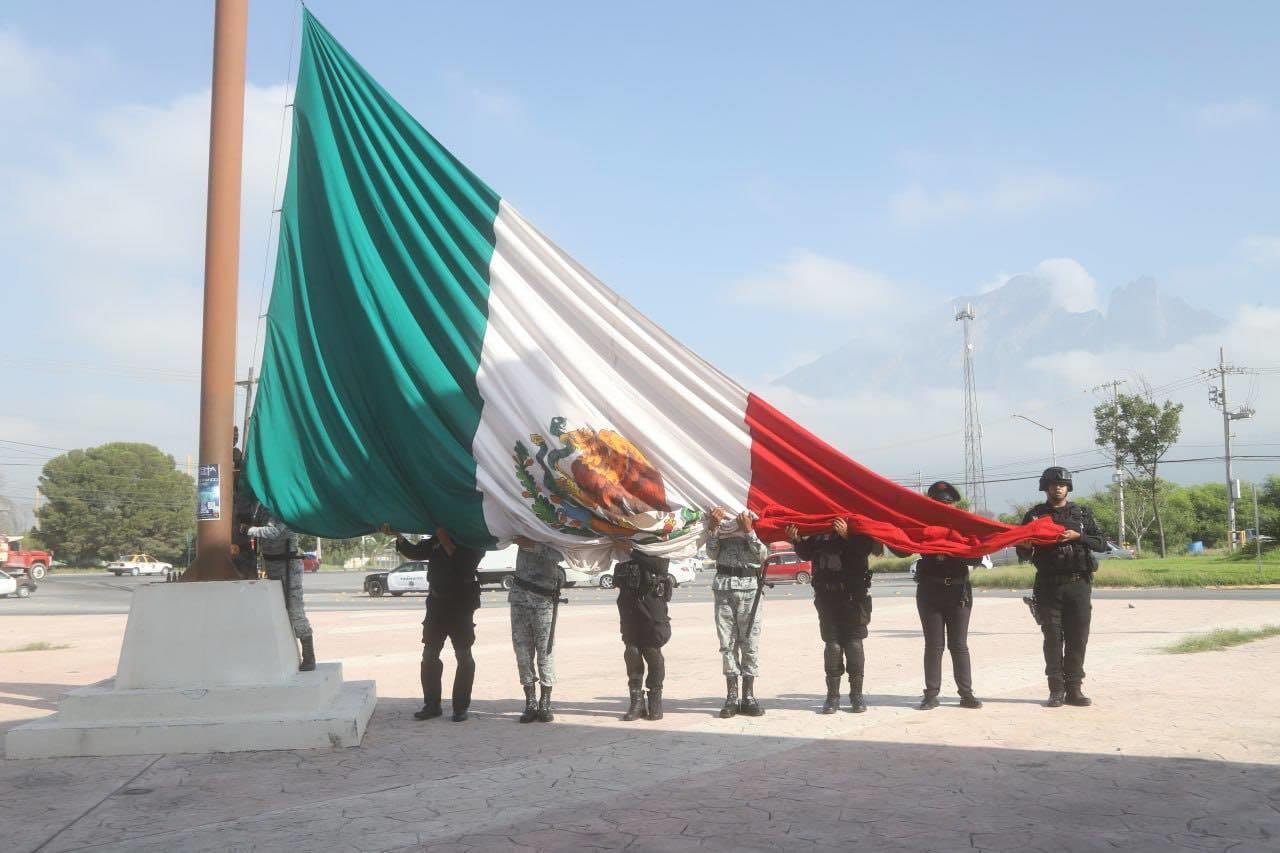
x=433 y=360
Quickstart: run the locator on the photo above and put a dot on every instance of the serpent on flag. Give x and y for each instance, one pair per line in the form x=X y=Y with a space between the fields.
x=433 y=360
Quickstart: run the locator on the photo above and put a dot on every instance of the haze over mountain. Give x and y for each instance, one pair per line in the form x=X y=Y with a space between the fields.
x=1016 y=324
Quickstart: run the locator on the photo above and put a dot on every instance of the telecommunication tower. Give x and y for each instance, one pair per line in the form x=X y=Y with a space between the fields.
x=974 y=477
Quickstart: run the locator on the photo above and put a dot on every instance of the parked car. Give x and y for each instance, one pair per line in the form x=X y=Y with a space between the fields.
x=19 y=586
x=1115 y=552
x=787 y=567
x=29 y=562
x=138 y=564
x=310 y=562
x=681 y=571
x=406 y=577
x=498 y=568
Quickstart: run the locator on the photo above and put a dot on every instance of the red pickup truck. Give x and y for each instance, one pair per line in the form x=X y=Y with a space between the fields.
x=34 y=564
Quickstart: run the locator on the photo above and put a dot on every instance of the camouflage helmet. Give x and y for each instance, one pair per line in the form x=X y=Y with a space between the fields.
x=1056 y=474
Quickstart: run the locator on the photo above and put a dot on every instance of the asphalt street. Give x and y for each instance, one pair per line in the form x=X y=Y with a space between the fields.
x=62 y=595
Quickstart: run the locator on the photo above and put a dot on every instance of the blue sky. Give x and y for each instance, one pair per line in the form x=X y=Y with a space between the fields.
x=691 y=155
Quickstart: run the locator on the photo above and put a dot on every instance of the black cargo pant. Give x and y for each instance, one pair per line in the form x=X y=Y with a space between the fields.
x=1066 y=609
x=944 y=615
x=449 y=617
x=646 y=628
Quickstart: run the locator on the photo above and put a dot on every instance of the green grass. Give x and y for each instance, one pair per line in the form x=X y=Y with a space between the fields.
x=1222 y=638
x=34 y=647
x=1170 y=571
x=891 y=564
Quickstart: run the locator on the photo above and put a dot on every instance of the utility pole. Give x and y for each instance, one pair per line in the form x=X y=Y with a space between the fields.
x=247 y=385
x=974 y=474
x=1117 y=475
x=1218 y=399
x=221 y=268
x=1257 y=530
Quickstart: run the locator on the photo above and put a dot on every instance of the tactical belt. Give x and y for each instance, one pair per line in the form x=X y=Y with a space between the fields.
x=941 y=581
x=529 y=586
x=736 y=571
x=278 y=557
x=1056 y=577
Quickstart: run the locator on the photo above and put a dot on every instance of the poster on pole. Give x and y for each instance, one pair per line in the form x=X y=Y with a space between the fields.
x=208 y=494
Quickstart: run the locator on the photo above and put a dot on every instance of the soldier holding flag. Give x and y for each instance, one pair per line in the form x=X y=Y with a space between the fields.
x=534 y=597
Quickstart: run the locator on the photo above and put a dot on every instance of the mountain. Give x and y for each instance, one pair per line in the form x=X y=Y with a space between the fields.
x=1015 y=323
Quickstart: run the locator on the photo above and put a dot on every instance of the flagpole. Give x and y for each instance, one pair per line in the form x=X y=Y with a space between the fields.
x=221 y=269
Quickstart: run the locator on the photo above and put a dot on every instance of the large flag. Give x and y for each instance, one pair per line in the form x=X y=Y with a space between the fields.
x=433 y=360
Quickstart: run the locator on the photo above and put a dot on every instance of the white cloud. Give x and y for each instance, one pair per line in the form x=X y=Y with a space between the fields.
x=1010 y=196
x=1233 y=113
x=996 y=282
x=25 y=71
x=1073 y=288
x=813 y=284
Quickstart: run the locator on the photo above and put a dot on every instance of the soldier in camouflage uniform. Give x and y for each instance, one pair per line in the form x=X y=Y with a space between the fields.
x=278 y=546
x=533 y=598
x=739 y=556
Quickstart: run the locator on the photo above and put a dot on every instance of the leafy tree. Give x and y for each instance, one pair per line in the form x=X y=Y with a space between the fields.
x=119 y=498
x=1138 y=432
x=1015 y=515
x=1209 y=504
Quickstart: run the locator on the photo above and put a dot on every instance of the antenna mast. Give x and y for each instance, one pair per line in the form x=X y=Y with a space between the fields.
x=974 y=475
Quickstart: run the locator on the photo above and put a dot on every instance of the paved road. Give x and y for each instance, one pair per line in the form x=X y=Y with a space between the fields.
x=333 y=591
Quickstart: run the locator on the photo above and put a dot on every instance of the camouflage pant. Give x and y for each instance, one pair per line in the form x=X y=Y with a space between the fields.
x=741 y=652
x=293 y=595
x=530 y=636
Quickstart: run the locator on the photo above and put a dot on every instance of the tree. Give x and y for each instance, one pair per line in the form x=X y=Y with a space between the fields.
x=1176 y=510
x=1138 y=432
x=119 y=498
x=1209 y=506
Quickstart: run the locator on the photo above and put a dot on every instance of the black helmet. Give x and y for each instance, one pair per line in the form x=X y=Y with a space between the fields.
x=944 y=491
x=1056 y=474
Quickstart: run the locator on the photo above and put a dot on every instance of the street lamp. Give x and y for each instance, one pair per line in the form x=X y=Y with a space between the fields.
x=1053 y=450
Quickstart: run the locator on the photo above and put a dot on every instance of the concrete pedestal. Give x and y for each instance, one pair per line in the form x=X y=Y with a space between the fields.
x=205 y=667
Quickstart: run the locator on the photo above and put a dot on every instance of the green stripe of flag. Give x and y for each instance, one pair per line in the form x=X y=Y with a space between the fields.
x=368 y=403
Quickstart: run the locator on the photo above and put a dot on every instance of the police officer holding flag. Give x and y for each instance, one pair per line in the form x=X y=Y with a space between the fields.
x=1063 y=586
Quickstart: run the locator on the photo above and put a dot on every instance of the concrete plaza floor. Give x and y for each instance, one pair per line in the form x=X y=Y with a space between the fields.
x=1178 y=753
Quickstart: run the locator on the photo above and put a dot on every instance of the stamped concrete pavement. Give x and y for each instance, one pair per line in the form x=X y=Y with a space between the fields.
x=1179 y=753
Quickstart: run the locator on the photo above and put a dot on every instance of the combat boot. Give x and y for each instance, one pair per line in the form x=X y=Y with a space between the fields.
x=749 y=706
x=968 y=700
x=856 y=703
x=308 y=654
x=1057 y=693
x=1076 y=697
x=638 y=707
x=544 y=706
x=730 y=708
x=430 y=710
x=655 y=704
x=833 y=695
x=530 y=704
x=929 y=701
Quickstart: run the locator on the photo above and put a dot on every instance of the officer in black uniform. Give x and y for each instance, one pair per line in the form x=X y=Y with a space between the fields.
x=1064 y=586
x=644 y=588
x=944 y=600
x=841 y=594
x=244 y=508
x=453 y=596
